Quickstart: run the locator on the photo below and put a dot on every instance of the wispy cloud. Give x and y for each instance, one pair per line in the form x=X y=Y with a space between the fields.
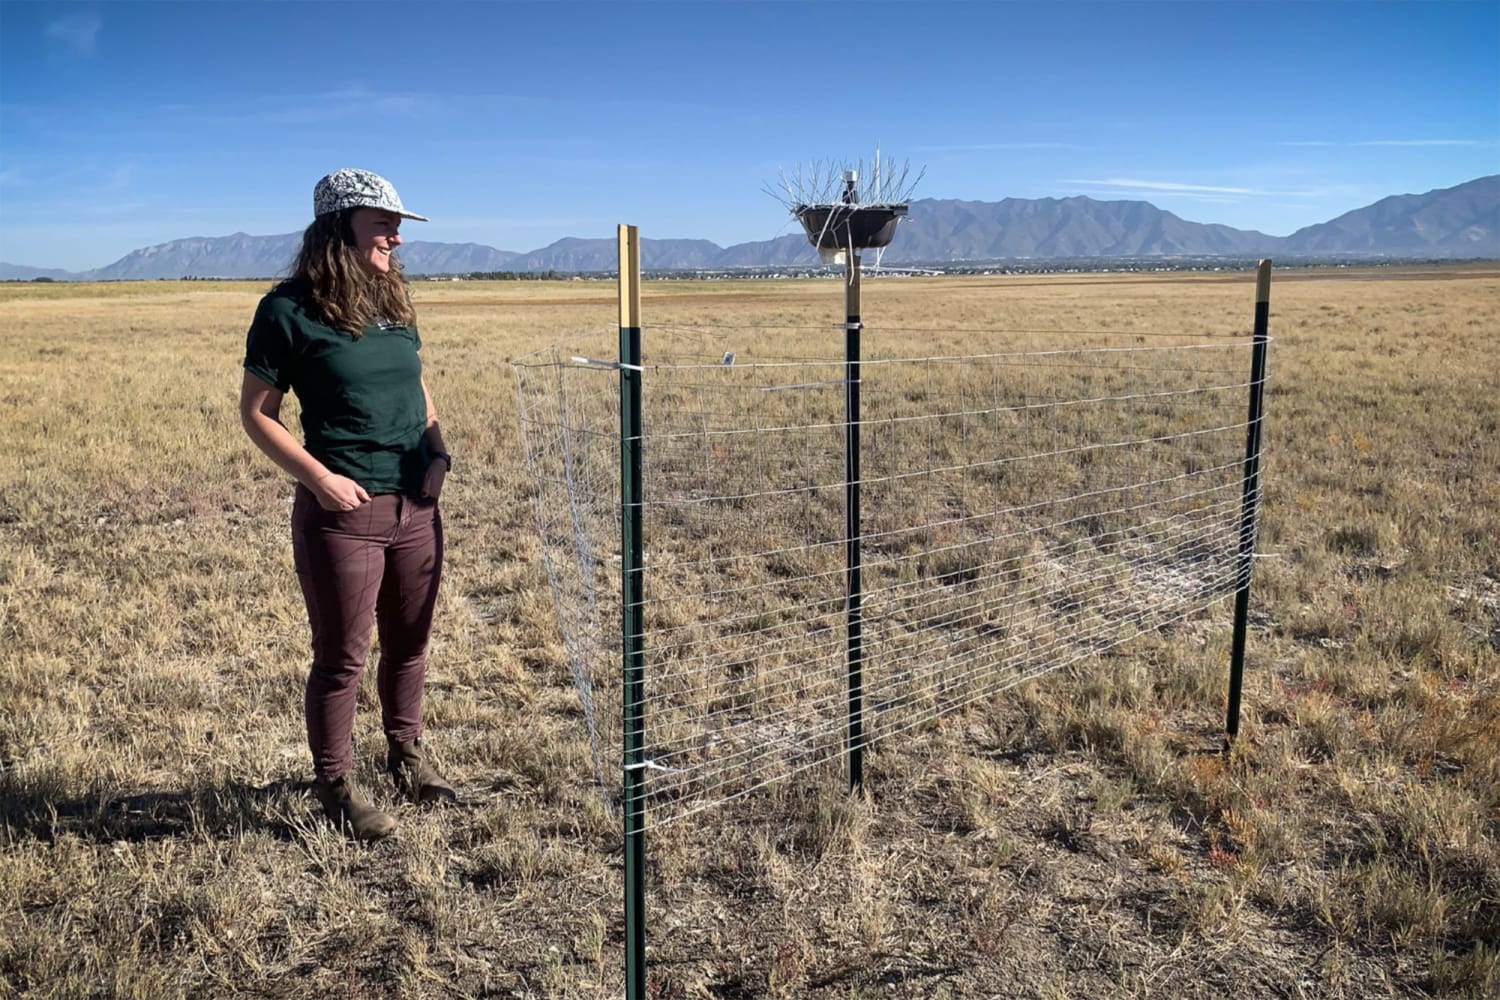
x=988 y=147
x=1324 y=143
x=119 y=178
x=78 y=32
x=1426 y=142
x=311 y=109
x=1131 y=184
x=342 y=104
x=1137 y=193
x=521 y=221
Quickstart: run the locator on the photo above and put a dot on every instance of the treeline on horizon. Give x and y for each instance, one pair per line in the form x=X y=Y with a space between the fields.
x=548 y=275
x=956 y=268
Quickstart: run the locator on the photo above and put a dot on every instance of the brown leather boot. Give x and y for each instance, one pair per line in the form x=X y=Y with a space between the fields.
x=346 y=806
x=415 y=777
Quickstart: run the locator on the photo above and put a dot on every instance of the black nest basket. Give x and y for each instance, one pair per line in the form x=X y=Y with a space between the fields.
x=849 y=227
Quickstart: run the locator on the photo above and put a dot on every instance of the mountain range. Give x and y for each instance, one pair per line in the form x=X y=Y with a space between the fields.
x=1456 y=222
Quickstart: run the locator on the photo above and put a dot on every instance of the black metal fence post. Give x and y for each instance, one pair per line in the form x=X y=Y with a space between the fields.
x=854 y=593
x=1250 y=502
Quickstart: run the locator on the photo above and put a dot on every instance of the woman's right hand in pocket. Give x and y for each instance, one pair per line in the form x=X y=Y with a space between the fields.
x=335 y=492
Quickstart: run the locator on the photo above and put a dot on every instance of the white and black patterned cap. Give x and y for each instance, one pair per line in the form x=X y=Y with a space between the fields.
x=350 y=188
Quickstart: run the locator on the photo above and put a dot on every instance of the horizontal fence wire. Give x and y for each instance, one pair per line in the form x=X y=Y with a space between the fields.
x=1024 y=507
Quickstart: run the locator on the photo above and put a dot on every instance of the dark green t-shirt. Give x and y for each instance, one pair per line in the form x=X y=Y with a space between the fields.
x=363 y=411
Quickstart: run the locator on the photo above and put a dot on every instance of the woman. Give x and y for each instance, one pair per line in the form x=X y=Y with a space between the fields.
x=367 y=539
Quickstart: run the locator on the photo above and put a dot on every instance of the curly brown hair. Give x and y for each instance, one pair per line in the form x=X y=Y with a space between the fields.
x=339 y=287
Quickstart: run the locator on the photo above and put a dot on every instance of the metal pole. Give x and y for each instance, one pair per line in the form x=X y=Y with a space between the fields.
x=1250 y=502
x=631 y=626
x=855 y=592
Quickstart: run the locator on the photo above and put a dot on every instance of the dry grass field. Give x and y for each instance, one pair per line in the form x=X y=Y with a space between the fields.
x=1076 y=836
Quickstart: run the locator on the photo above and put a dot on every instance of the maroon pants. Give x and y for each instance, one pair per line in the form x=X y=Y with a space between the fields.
x=378 y=564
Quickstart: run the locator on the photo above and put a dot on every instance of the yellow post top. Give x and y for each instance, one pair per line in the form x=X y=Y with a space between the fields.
x=630 y=276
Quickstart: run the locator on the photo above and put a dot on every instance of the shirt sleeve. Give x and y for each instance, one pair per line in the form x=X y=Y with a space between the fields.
x=269 y=346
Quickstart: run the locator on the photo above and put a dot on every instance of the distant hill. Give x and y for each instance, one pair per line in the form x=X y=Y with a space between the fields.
x=19 y=272
x=1461 y=222
x=1059 y=227
x=780 y=252
x=573 y=254
x=245 y=256
x=422 y=257
x=236 y=256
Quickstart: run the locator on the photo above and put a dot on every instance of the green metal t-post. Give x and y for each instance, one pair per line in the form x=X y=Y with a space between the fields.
x=632 y=625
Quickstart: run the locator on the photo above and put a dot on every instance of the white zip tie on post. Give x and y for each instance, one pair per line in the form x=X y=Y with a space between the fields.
x=617 y=365
x=653 y=766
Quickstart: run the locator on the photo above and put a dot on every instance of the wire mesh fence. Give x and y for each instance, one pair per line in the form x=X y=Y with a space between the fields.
x=1033 y=503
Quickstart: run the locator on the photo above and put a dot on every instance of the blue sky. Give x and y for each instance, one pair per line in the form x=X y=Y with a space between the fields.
x=125 y=124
